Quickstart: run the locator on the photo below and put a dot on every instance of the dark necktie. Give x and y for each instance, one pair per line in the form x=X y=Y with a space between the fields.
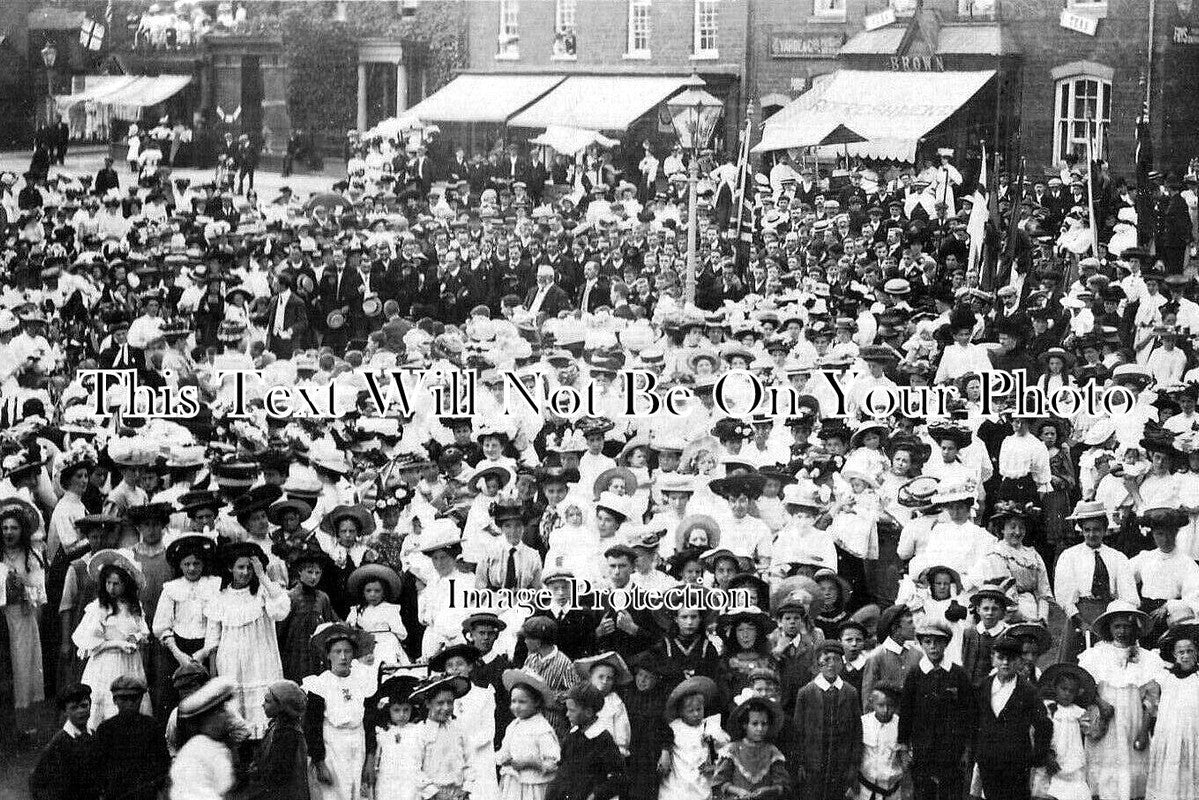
x=337 y=287
x=510 y=574
x=1100 y=581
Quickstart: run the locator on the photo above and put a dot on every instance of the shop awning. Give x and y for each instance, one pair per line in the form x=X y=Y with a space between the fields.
x=95 y=87
x=146 y=91
x=599 y=103
x=891 y=110
x=482 y=98
x=570 y=141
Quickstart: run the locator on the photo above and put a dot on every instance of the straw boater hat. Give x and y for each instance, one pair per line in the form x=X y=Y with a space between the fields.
x=212 y=694
x=429 y=687
x=1088 y=509
x=519 y=677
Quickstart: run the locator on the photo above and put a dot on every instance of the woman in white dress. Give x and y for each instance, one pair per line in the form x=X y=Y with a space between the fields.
x=337 y=699
x=477 y=710
x=241 y=632
x=1126 y=674
x=1174 y=751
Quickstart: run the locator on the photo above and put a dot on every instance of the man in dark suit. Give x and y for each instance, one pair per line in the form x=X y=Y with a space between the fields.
x=339 y=291
x=1014 y=730
x=106 y=178
x=827 y=730
x=420 y=169
x=1173 y=227
x=119 y=355
x=547 y=298
x=286 y=319
x=515 y=168
x=937 y=717
x=576 y=625
x=62 y=137
x=594 y=291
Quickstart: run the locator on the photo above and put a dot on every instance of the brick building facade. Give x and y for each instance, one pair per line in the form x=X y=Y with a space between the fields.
x=1062 y=65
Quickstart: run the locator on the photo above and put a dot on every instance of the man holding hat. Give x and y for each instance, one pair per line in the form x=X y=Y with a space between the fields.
x=1090 y=575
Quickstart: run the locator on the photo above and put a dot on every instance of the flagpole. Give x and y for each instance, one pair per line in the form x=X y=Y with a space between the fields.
x=743 y=169
x=1091 y=192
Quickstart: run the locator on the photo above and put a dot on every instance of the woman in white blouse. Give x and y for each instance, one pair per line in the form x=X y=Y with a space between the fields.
x=180 y=620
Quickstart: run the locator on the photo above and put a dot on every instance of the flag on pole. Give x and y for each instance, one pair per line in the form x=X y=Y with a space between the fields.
x=976 y=226
x=746 y=212
x=1013 y=222
x=1145 y=187
x=91 y=35
x=1092 y=149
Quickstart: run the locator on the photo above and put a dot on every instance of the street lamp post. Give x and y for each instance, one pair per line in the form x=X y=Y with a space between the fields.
x=694 y=114
x=49 y=57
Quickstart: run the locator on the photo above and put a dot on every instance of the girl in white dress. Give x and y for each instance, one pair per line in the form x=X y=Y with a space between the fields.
x=528 y=757
x=374 y=586
x=241 y=632
x=1072 y=691
x=179 y=619
x=397 y=740
x=1174 y=751
x=112 y=632
x=338 y=697
x=1117 y=763
x=689 y=753
x=476 y=710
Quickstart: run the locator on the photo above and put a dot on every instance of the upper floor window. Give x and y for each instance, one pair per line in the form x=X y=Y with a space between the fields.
x=509 y=37
x=976 y=9
x=639 y=28
x=828 y=10
x=706 y=27
x=1082 y=112
x=564 y=28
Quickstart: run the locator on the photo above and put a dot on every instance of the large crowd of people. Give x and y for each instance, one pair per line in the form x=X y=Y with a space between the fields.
x=239 y=600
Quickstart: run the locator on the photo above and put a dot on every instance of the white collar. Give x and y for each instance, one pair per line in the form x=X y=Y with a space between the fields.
x=927 y=666
x=857 y=663
x=70 y=730
x=894 y=646
x=824 y=685
x=997 y=631
x=593 y=730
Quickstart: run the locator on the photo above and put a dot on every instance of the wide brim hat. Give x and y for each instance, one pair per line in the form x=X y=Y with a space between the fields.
x=1187 y=630
x=279 y=507
x=515 y=677
x=150 y=512
x=958 y=435
x=443 y=534
x=198 y=500
x=615 y=504
x=396 y=689
x=212 y=694
x=435 y=683
x=926 y=574
x=33 y=517
x=1088 y=691
x=115 y=558
x=804 y=495
x=1116 y=609
x=1009 y=509
x=583 y=666
x=468 y=651
x=694 y=522
x=1031 y=630
x=790 y=592
x=193 y=544
x=919 y=491
x=257 y=498
x=751 y=581
x=709 y=557
x=484 y=618
x=732 y=618
x=740 y=714
x=503 y=474
x=735 y=485
x=374 y=572
x=604 y=480
x=870 y=425
x=327 y=633
x=311 y=554
x=358 y=513
x=993 y=592
x=697 y=684
x=1168 y=518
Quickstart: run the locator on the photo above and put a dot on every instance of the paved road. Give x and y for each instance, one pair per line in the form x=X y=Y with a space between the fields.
x=89 y=160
